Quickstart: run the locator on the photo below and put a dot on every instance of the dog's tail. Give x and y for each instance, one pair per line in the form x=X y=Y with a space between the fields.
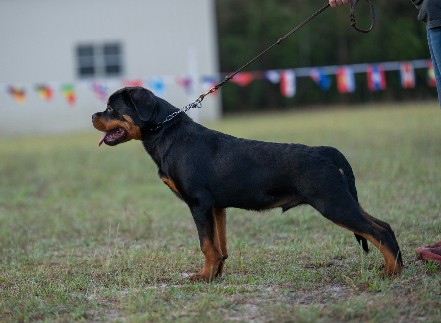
x=345 y=169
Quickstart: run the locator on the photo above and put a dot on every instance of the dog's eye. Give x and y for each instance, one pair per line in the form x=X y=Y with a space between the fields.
x=109 y=110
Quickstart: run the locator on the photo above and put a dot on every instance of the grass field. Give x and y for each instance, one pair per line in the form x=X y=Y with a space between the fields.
x=92 y=234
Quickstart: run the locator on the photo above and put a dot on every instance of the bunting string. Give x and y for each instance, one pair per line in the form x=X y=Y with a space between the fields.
x=285 y=78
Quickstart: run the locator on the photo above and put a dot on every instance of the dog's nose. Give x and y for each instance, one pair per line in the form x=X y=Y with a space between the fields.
x=94 y=116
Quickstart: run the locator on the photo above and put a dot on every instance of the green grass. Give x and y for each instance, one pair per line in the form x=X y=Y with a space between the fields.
x=93 y=234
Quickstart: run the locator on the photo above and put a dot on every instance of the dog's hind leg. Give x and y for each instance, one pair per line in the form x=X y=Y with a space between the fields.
x=346 y=171
x=342 y=209
x=383 y=241
x=350 y=180
x=362 y=241
x=388 y=228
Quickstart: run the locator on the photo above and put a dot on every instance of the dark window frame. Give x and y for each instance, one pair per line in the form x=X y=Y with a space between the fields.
x=99 y=60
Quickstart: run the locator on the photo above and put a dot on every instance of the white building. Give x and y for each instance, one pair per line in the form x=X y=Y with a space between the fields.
x=112 y=42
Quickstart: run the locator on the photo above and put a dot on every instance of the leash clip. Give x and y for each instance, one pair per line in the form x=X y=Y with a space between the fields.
x=353 y=20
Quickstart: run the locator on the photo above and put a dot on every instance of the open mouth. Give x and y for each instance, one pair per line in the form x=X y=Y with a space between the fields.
x=113 y=137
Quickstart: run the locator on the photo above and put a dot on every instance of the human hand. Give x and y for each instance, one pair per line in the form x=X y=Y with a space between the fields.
x=335 y=3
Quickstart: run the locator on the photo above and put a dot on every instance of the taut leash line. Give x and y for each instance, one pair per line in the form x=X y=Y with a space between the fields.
x=198 y=102
x=279 y=41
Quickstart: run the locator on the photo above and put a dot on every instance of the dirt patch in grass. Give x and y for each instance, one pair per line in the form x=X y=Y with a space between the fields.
x=321 y=295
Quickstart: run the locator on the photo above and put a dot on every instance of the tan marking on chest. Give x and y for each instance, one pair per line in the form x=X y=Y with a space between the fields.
x=169 y=182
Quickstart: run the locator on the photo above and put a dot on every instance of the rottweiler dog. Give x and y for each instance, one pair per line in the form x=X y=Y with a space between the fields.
x=212 y=171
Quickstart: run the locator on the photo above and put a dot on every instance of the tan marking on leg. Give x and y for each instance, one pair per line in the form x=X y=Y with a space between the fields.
x=220 y=220
x=220 y=217
x=387 y=227
x=213 y=257
x=392 y=267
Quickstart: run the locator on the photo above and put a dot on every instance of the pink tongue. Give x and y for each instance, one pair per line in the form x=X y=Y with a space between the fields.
x=102 y=138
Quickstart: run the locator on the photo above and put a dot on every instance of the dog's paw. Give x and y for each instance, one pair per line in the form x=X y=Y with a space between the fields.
x=202 y=277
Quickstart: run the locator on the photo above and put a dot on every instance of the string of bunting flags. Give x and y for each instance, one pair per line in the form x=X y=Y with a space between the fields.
x=286 y=78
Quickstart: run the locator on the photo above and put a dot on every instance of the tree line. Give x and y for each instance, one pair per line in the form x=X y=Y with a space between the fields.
x=246 y=27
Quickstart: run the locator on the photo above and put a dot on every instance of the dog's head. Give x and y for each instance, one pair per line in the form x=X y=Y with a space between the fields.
x=128 y=111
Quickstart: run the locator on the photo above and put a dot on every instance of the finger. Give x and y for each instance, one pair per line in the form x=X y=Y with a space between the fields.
x=335 y=3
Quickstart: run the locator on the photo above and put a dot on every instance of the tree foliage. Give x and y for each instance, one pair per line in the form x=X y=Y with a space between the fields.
x=246 y=27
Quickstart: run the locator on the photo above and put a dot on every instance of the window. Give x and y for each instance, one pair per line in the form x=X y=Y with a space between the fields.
x=86 y=61
x=99 y=60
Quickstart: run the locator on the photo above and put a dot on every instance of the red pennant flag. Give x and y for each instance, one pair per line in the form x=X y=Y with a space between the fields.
x=133 y=83
x=69 y=94
x=243 y=79
x=18 y=94
x=407 y=76
x=45 y=92
x=288 y=83
x=431 y=80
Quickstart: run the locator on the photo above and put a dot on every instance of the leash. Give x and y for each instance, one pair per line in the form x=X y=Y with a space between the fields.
x=198 y=102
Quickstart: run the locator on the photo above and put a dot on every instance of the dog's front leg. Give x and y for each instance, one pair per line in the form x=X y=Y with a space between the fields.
x=205 y=221
x=220 y=217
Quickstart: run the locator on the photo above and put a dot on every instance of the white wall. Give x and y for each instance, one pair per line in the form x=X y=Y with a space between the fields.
x=38 y=40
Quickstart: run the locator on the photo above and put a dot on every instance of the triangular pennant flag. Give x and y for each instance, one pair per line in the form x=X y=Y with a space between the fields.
x=345 y=80
x=288 y=83
x=19 y=94
x=45 y=92
x=376 y=78
x=431 y=80
x=322 y=79
x=407 y=75
x=100 y=89
x=157 y=85
x=243 y=78
x=186 y=82
x=273 y=76
x=132 y=83
x=69 y=94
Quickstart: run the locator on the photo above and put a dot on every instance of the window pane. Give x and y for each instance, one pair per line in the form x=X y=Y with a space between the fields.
x=85 y=60
x=112 y=59
x=99 y=60
x=86 y=71
x=112 y=49
x=113 y=69
x=85 y=50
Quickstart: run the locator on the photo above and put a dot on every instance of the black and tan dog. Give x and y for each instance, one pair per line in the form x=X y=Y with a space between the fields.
x=211 y=171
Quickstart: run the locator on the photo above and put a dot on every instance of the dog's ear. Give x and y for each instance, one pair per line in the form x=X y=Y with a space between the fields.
x=144 y=102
